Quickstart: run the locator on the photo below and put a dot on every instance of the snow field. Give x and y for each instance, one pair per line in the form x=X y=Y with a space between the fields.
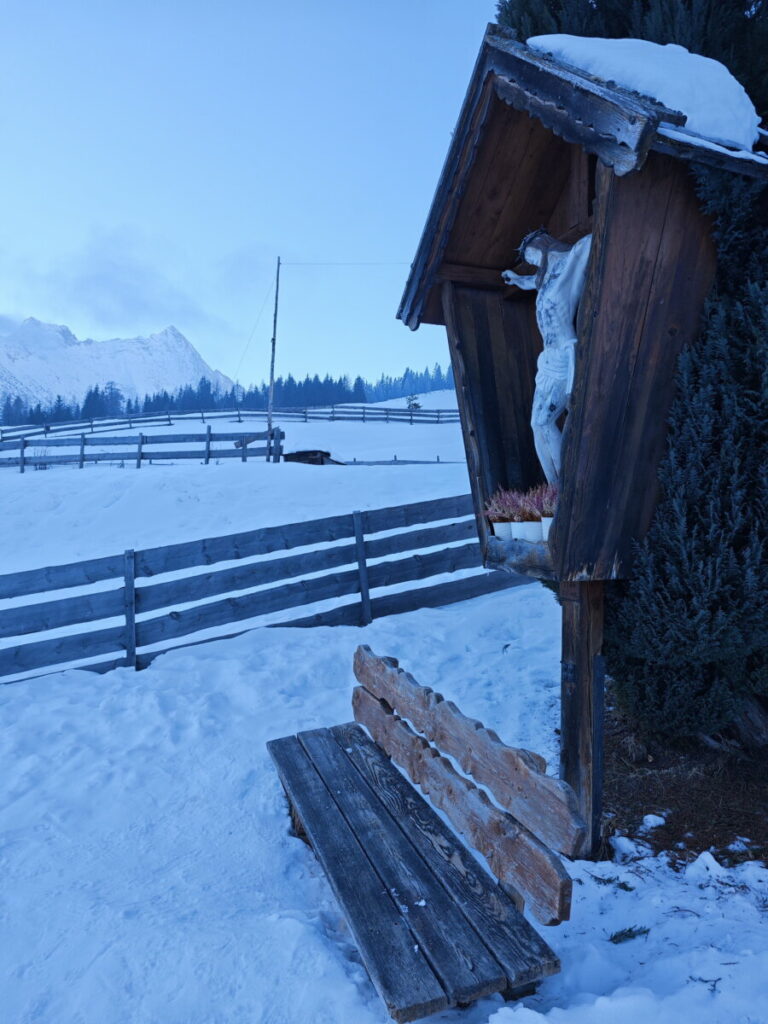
x=66 y=514
x=150 y=877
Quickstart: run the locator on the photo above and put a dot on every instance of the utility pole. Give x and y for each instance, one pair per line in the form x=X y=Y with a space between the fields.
x=272 y=365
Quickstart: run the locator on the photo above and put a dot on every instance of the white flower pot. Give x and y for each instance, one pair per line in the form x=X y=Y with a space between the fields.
x=503 y=530
x=526 y=531
x=546 y=522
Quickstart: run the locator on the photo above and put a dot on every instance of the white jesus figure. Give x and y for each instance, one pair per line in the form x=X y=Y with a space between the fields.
x=559 y=282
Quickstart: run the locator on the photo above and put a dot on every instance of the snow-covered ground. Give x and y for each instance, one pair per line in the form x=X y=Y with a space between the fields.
x=149 y=876
x=69 y=514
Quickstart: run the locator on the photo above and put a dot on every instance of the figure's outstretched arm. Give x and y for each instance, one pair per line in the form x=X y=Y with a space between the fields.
x=525 y=281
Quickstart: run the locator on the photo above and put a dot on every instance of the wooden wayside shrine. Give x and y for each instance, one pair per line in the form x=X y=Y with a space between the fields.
x=540 y=144
x=434 y=929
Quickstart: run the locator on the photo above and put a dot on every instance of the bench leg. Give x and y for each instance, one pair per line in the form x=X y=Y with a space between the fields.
x=520 y=992
x=297 y=826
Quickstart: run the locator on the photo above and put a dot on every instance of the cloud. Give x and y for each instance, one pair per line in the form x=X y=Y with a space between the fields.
x=117 y=281
x=112 y=284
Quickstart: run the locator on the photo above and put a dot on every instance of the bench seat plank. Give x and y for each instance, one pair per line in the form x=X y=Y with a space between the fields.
x=522 y=953
x=461 y=961
x=396 y=965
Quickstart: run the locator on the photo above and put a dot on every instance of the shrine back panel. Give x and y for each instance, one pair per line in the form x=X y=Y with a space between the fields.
x=651 y=267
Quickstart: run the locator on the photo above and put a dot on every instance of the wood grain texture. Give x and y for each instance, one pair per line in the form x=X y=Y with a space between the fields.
x=153 y=596
x=24 y=657
x=396 y=965
x=462 y=963
x=581 y=703
x=437 y=596
x=522 y=953
x=248 y=606
x=61 y=577
x=515 y=855
x=651 y=266
x=516 y=778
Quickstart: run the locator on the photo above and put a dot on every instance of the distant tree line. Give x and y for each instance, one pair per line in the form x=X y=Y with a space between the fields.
x=108 y=399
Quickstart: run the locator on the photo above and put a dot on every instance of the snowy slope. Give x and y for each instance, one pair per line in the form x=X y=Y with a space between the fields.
x=39 y=361
x=150 y=876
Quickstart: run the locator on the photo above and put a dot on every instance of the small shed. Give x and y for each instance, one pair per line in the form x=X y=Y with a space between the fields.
x=542 y=144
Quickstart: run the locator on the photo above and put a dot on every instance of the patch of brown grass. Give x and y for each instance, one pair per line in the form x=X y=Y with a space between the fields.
x=708 y=797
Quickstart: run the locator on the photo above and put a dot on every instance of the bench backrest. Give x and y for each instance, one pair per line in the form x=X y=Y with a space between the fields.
x=531 y=816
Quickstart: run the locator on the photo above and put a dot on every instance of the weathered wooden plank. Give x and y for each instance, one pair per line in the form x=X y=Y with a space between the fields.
x=651 y=266
x=521 y=556
x=515 y=855
x=37 y=618
x=129 y=600
x=581 y=704
x=460 y=960
x=419 y=567
x=155 y=561
x=418 y=512
x=362 y=568
x=395 y=963
x=61 y=577
x=414 y=540
x=241 y=577
x=248 y=606
x=423 y=597
x=522 y=953
x=545 y=806
x=24 y=657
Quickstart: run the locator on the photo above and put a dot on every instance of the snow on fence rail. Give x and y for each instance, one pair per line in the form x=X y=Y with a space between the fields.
x=357 y=413
x=130 y=634
x=139 y=448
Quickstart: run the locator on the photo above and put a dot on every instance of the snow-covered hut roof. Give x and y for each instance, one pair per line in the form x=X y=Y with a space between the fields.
x=613 y=122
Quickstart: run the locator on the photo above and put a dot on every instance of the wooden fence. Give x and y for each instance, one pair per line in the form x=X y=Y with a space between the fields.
x=146 y=608
x=355 y=413
x=137 y=449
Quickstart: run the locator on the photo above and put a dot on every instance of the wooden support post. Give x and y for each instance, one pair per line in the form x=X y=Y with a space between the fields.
x=277 y=446
x=168 y=414
x=208 y=444
x=366 y=615
x=138 y=452
x=581 y=711
x=81 y=463
x=129 y=592
x=244 y=449
x=22 y=446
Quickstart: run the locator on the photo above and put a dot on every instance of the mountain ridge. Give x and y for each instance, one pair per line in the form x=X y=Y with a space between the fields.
x=39 y=361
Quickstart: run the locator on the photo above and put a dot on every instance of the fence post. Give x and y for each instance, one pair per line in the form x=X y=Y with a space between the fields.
x=91 y=424
x=239 y=417
x=22 y=446
x=438 y=415
x=244 y=452
x=82 y=452
x=362 y=569
x=386 y=415
x=129 y=593
x=208 y=444
x=168 y=414
x=138 y=451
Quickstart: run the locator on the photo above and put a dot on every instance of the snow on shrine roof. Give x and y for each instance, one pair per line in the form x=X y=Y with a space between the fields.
x=717 y=107
x=599 y=108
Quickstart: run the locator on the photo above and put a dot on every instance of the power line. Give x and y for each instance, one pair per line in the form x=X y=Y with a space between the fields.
x=250 y=339
x=367 y=263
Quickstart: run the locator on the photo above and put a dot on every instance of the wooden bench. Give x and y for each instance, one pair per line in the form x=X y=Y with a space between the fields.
x=433 y=928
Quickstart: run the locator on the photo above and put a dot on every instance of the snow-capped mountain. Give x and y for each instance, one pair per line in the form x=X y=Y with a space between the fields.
x=40 y=361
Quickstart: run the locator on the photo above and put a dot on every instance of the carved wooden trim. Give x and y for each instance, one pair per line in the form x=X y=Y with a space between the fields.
x=517 y=858
x=516 y=777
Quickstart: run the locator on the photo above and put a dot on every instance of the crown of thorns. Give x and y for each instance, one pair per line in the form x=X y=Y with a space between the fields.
x=531 y=237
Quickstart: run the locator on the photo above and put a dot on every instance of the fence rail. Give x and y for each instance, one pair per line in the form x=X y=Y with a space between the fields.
x=356 y=413
x=134 y=448
x=148 y=609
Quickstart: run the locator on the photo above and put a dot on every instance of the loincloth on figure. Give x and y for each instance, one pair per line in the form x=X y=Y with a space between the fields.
x=554 y=382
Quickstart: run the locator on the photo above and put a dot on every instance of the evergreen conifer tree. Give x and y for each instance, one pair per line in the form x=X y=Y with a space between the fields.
x=687 y=637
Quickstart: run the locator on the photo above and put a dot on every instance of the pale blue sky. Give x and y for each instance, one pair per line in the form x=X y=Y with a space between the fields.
x=158 y=156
